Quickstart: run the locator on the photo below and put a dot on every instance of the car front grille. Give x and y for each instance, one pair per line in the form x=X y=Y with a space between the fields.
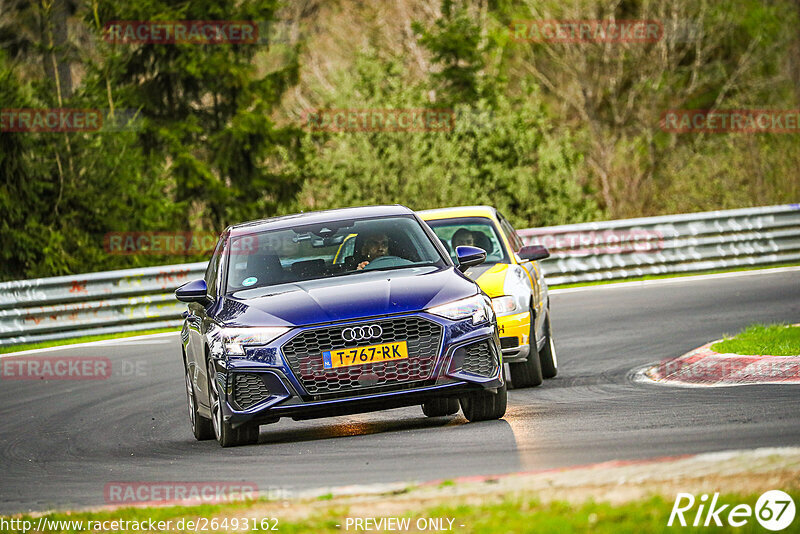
x=248 y=390
x=303 y=353
x=480 y=360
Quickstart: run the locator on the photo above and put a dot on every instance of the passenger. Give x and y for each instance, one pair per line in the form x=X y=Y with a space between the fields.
x=463 y=237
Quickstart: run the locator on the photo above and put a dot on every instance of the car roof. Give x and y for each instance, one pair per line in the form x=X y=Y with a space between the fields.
x=460 y=211
x=317 y=217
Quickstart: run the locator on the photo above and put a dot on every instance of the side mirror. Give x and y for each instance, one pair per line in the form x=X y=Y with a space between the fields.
x=194 y=291
x=533 y=252
x=469 y=257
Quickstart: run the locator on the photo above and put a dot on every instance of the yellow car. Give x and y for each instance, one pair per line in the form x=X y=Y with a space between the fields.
x=511 y=276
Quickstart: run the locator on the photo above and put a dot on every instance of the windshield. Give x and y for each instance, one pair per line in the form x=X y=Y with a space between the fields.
x=474 y=231
x=338 y=248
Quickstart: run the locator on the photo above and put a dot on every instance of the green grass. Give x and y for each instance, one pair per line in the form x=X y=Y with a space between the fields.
x=674 y=275
x=84 y=339
x=528 y=515
x=511 y=514
x=775 y=340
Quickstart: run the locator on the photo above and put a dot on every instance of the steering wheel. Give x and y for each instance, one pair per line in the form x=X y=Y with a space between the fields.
x=387 y=261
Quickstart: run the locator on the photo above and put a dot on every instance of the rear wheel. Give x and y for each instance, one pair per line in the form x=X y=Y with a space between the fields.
x=226 y=435
x=485 y=405
x=202 y=427
x=440 y=407
x=547 y=356
x=528 y=373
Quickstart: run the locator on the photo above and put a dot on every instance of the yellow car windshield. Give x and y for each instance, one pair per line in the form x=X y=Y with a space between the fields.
x=472 y=231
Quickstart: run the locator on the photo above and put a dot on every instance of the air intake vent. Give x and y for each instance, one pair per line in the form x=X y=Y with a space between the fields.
x=480 y=360
x=248 y=390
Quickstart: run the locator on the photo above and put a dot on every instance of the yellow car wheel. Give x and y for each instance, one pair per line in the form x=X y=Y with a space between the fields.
x=547 y=356
x=528 y=373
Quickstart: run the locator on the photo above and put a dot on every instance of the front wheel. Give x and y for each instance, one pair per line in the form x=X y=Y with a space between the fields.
x=528 y=373
x=201 y=426
x=226 y=435
x=485 y=405
x=440 y=407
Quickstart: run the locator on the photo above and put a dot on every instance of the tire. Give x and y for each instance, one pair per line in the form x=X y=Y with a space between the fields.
x=547 y=356
x=202 y=428
x=440 y=407
x=226 y=435
x=485 y=405
x=528 y=373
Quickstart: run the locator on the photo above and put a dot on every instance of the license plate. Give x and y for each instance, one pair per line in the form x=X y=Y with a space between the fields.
x=331 y=359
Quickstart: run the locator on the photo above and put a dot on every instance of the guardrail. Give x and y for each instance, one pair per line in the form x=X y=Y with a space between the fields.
x=61 y=307
x=137 y=299
x=672 y=244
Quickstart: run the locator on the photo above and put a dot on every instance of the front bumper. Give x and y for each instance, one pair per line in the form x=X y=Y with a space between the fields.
x=265 y=385
x=515 y=336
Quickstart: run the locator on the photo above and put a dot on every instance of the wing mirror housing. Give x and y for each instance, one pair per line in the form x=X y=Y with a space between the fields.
x=533 y=252
x=469 y=257
x=194 y=291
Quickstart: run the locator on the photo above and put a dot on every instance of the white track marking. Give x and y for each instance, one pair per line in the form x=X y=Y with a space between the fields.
x=675 y=280
x=99 y=343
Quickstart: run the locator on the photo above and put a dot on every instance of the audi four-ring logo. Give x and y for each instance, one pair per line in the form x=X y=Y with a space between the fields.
x=362 y=332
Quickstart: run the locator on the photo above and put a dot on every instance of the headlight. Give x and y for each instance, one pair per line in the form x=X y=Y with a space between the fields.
x=517 y=294
x=477 y=307
x=505 y=306
x=235 y=339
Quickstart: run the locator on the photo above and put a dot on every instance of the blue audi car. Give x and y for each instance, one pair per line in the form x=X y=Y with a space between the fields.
x=334 y=313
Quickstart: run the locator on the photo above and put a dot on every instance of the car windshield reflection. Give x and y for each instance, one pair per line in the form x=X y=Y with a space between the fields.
x=333 y=249
x=470 y=231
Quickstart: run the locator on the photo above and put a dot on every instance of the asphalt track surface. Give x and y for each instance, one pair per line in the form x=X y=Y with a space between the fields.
x=62 y=441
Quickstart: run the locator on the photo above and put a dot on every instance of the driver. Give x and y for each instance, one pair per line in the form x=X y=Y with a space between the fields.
x=463 y=237
x=375 y=246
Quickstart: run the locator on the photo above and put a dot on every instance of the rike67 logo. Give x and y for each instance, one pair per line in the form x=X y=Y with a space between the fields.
x=774 y=511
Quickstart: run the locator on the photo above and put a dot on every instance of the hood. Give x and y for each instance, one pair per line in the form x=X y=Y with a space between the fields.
x=344 y=298
x=491 y=278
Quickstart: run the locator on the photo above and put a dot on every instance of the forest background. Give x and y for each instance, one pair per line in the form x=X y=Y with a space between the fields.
x=200 y=136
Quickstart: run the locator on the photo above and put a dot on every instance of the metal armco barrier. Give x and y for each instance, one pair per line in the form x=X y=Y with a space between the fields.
x=47 y=309
x=138 y=299
x=671 y=244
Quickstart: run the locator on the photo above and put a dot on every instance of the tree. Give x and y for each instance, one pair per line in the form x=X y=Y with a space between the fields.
x=506 y=155
x=613 y=94
x=207 y=112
